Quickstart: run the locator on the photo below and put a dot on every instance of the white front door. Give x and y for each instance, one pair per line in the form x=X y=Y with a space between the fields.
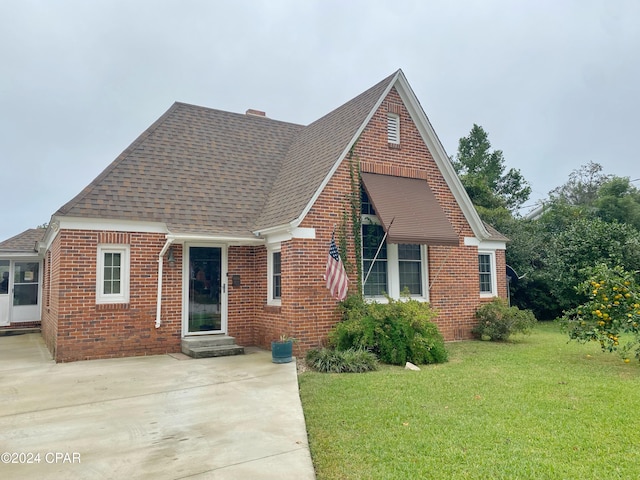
x=4 y=292
x=26 y=291
x=20 y=291
x=205 y=290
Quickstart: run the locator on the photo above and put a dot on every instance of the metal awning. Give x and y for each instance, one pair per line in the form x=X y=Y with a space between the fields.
x=417 y=216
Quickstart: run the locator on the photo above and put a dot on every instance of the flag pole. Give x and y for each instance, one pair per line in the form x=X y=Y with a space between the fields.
x=378 y=252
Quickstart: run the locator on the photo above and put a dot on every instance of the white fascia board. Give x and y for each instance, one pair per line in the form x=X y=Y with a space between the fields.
x=20 y=255
x=227 y=240
x=288 y=230
x=485 y=244
x=76 y=223
x=346 y=151
x=440 y=156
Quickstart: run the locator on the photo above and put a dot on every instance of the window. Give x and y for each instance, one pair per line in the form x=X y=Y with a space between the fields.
x=376 y=282
x=410 y=266
x=397 y=266
x=393 y=128
x=26 y=278
x=274 y=269
x=366 y=207
x=112 y=280
x=276 y=275
x=486 y=267
x=4 y=277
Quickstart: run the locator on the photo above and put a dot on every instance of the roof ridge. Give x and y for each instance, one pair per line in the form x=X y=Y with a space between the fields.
x=119 y=159
x=240 y=115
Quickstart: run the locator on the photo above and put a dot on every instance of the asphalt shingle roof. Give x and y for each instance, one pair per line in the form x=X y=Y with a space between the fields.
x=24 y=242
x=209 y=172
x=205 y=171
x=197 y=169
x=312 y=155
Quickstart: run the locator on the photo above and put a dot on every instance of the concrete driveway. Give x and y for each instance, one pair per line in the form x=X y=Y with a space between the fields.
x=160 y=417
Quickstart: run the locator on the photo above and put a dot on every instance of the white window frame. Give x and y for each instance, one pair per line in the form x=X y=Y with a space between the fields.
x=393 y=128
x=393 y=269
x=271 y=249
x=494 y=279
x=125 y=267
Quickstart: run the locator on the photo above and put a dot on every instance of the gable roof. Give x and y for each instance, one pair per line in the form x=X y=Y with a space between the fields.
x=315 y=152
x=200 y=170
x=24 y=242
x=208 y=172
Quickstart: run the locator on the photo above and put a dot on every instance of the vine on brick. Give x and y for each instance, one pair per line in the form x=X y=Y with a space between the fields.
x=352 y=213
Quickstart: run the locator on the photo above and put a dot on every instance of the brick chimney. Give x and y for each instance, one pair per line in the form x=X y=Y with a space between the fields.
x=257 y=113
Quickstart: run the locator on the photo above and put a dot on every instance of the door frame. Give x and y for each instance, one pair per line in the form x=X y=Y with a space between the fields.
x=34 y=311
x=224 y=290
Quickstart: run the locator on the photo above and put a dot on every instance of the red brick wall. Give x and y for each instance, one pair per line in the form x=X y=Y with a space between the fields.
x=453 y=272
x=51 y=287
x=76 y=328
x=243 y=300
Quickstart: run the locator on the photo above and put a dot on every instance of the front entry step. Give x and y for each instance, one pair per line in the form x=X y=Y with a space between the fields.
x=210 y=346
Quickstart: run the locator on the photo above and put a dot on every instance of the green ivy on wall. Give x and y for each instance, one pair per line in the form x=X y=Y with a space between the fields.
x=352 y=213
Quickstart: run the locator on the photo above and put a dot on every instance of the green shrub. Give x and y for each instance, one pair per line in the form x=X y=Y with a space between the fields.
x=397 y=332
x=497 y=321
x=611 y=309
x=353 y=360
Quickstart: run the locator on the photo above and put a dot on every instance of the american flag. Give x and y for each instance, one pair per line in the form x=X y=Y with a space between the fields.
x=335 y=275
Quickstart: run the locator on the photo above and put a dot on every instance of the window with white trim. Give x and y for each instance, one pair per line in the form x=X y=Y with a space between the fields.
x=112 y=279
x=274 y=274
x=393 y=128
x=374 y=268
x=396 y=267
x=486 y=269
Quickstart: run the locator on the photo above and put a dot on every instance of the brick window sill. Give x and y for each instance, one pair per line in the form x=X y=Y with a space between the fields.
x=100 y=307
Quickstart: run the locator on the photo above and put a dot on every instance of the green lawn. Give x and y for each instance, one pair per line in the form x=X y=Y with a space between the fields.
x=535 y=408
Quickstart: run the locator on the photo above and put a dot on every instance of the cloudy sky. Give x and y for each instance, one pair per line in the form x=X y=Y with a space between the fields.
x=554 y=83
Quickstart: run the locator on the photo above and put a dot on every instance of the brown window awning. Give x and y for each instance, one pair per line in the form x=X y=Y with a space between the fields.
x=411 y=205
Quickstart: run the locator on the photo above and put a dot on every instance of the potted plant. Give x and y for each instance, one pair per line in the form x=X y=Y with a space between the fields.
x=282 y=349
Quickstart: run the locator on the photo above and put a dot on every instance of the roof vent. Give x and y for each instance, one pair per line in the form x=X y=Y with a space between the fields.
x=256 y=113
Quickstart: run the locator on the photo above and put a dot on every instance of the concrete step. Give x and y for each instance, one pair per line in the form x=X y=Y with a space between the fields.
x=210 y=346
x=209 y=340
x=219 y=351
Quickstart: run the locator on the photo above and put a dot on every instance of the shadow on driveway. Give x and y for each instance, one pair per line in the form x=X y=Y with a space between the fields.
x=160 y=417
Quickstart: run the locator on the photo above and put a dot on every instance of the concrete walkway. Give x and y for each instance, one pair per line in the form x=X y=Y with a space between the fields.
x=160 y=417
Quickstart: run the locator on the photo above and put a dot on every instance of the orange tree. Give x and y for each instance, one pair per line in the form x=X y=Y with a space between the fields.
x=611 y=309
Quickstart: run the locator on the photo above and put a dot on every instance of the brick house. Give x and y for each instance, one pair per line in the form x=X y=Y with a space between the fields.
x=216 y=224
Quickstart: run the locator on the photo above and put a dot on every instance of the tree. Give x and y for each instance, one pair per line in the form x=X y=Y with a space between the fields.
x=611 y=308
x=618 y=201
x=482 y=172
x=594 y=218
x=583 y=244
x=582 y=187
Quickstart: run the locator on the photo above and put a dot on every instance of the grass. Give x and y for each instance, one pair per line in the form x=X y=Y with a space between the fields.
x=534 y=408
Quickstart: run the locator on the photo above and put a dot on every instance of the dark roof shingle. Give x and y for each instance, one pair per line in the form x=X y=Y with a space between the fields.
x=312 y=155
x=199 y=170
x=24 y=242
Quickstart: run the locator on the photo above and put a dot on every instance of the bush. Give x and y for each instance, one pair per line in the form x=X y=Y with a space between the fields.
x=341 y=361
x=497 y=321
x=397 y=332
x=611 y=308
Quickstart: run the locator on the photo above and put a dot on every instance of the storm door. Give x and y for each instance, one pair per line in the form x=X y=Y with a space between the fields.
x=19 y=291
x=206 y=291
x=4 y=292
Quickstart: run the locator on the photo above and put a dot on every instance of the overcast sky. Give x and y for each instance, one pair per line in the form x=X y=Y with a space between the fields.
x=554 y=83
